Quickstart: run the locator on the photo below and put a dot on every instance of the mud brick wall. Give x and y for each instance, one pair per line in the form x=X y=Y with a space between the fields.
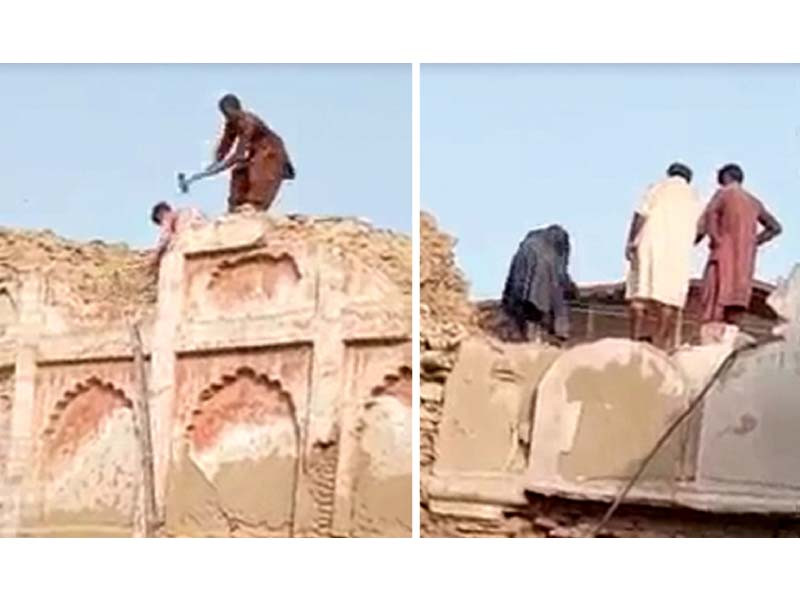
x=446 y=317
x=482 y=448
x=278 y=370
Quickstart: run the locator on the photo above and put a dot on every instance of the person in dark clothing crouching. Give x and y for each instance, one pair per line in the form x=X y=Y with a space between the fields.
x=538 y=285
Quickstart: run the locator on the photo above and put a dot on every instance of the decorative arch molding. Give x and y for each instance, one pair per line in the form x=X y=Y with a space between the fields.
x=9 y=311
x=261 y=272
x=6 y=404
x=380 y=487
x=221 y=404
x=397 y=384
x=78 y=414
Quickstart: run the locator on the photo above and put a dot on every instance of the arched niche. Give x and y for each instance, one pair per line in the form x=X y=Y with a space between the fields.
x=237 y=474
x=89 y=463
x=599 y=410
x=382 y=478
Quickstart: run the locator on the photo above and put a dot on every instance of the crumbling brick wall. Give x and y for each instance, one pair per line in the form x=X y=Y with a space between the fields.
x=447 y=319
x=91 y=281
x=264 y=340
x=446 y=316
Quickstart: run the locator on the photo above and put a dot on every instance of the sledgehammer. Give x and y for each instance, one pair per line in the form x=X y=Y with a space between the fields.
x=210 y=171
x=184 y=182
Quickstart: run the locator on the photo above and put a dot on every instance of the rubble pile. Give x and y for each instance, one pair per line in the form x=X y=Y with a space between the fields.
x=384 y=250
x=469 y=491
x=445 y=311
x=107 y=282
x=112 y=281
x=446 y=317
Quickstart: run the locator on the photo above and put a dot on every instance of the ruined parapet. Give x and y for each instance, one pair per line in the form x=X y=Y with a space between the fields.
x=484 y=433
x=596 y=411
x=600 y=409
x=446 y=310
x=600 y=310
x=736 y=453
x=446 y=318
x=277 y=356
x=785 y=301
x=81 y=285
x=571 y=423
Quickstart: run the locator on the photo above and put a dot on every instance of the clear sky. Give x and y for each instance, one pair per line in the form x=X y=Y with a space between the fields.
x=508 y=148
x=87 y=150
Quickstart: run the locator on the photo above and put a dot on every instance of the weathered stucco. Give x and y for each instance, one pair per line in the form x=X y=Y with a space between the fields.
x=600 y=408
x=730 y=469
x=376 y=436
x=748 y=438
x=278 y=369
x=487 y=405
x=381 y=501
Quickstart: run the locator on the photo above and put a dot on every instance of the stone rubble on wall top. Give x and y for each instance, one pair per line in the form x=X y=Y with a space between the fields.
x=110 y=281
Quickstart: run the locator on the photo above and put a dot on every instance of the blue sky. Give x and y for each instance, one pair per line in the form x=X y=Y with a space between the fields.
x=507 y=148
x=87 y=150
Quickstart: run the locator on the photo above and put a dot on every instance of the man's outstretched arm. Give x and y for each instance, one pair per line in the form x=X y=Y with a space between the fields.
x=771 y=226
x=701 y=230
x=707 y=223
x=637 y=221
x=239 y=155
x=225 y=142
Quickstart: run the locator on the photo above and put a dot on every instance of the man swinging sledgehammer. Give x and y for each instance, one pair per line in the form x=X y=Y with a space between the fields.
x=258 y=164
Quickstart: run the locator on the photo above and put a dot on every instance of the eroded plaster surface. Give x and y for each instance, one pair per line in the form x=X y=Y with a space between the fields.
x=277 y=370
x=598 y=410
x=488 y=404
x=376 y=437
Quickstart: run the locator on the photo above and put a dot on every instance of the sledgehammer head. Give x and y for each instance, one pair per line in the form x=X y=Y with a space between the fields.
x=182 y=185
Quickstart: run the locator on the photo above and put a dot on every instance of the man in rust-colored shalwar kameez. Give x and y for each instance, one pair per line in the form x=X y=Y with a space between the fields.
x=259 y=163
x=731 y=222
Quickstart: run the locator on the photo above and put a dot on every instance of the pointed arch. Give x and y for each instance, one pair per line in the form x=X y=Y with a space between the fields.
x=397 y=384
x=259 y=273
x=243 y=396
x=78 y=415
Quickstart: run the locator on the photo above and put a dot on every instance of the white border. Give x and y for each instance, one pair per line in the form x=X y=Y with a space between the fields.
x=398 y=569
x=400 y=31
x=409 y=31
x=415 y=298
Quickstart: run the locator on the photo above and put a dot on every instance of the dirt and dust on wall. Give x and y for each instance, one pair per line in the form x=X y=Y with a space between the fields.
x=95 y=281
x=277 y=373
x=527 y=439
x=81 y=284
x=446 y=317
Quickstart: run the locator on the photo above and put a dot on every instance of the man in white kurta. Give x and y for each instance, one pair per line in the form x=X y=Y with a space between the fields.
x=659 y=254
